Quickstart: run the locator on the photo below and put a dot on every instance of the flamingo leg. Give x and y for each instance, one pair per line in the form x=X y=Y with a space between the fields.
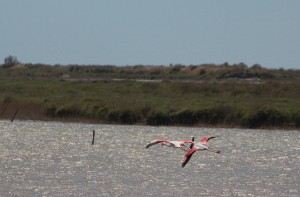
x=213 y=150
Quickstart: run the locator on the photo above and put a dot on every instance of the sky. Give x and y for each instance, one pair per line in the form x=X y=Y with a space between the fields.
x=152 y=32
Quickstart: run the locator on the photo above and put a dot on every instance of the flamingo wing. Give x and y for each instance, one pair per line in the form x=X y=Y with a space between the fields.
x=156 y=141
x=188 y=156
x=206 y=138
x=186 y=141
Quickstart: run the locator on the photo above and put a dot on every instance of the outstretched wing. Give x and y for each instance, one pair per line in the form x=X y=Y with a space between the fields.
x=156 y=141
x=206 y=138
x=188 y=156
x=187 y=141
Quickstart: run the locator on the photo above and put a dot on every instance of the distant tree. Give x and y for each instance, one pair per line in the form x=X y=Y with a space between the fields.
x=10 y=61
x=226 y=64
x=202 y=72
x=176 y=68
x=256 y=66
x=242 y=65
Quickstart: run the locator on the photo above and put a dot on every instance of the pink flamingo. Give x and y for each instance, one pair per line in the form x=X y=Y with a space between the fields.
x=198 y=146
x=175 y=144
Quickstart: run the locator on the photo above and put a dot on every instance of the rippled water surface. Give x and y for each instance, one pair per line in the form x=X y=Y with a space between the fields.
x=57 y=159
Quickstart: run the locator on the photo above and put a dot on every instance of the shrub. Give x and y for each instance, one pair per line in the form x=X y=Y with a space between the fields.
x=159 y=118
x=68 y=111
x=51 y=110
x=266 y=117
x=296 y=118
x=100 y=112
x=213 y=115
x=130 y=117
x=176 y=69
x=10 y=61
x=186 y=117
x=113 y=116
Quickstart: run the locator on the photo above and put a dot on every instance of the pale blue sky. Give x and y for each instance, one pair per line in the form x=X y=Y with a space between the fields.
x=152 y=32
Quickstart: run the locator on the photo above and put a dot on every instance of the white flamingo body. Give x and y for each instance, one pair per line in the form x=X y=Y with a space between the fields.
x=198 y=147
x=175 y=144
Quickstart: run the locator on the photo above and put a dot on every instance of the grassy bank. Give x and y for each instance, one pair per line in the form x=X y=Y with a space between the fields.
x=250 y=105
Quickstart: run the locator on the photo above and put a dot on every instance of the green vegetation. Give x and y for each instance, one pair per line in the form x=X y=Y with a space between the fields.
x=216 y=95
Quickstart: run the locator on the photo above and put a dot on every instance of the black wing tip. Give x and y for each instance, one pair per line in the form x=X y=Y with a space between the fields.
x=211 y=137
x=183 y=164
x=216 y=136
x=185 y=161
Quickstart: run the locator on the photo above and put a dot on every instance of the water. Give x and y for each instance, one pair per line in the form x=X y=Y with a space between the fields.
x=57 y=159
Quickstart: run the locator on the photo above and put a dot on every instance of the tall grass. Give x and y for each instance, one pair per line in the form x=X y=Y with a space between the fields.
x=165 y=103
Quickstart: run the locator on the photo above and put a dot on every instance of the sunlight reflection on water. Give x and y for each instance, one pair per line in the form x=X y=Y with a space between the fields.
x=57 y=159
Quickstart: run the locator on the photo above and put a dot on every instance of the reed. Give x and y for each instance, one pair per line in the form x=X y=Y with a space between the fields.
x=165 y=103
x=206 y=94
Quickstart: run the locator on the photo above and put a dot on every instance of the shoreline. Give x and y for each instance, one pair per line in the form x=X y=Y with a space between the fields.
x=83 y=120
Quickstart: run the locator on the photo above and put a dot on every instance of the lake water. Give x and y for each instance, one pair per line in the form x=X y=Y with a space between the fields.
x=57 y=159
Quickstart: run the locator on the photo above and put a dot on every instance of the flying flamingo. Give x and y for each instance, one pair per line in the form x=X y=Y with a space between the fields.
x=198 y=146
x=175 y=144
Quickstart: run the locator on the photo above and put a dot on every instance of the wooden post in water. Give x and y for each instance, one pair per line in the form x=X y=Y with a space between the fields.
x=14 y=115
x=93 y=141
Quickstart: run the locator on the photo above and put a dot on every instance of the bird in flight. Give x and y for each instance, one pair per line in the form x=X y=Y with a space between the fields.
x=198 y=147
x=181 y=144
